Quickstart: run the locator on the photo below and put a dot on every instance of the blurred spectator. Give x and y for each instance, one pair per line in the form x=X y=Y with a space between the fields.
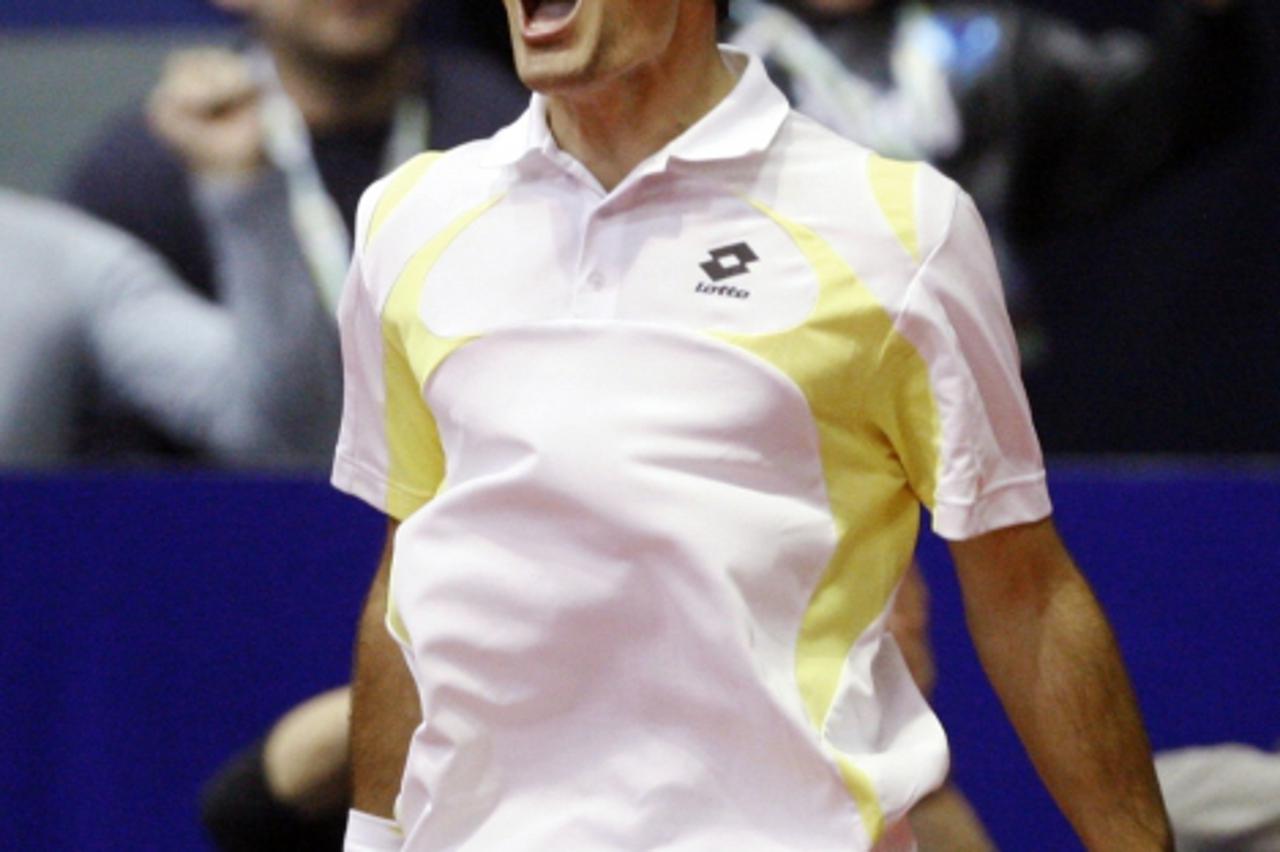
x=290 y=789
x=1044 y=125
x=322 y=99
x=1222 y=798
x=252 y=380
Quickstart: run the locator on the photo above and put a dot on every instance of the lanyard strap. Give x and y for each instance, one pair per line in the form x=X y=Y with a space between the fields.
x=317 y=221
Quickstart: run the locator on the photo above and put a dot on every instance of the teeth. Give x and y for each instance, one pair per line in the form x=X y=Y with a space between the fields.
x=553 y=9
x=548 y=11
x=545 y=17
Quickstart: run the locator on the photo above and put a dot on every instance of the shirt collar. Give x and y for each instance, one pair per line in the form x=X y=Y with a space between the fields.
x=742 y=124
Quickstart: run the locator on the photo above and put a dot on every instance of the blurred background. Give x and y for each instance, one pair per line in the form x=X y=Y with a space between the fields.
x=1161 y=317
x=160 y=605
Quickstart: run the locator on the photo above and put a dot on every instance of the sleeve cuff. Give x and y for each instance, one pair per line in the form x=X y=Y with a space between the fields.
x=390 y=498
x=369 y=833
x=1022 y=501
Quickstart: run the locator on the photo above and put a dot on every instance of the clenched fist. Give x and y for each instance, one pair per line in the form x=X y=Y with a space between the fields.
x=206 y=108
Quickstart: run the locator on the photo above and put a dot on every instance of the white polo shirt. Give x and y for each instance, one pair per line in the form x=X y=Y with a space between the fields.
x=659 y=454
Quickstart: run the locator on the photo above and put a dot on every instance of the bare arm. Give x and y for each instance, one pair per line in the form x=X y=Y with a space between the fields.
x=1051 y=656
x=384 y=702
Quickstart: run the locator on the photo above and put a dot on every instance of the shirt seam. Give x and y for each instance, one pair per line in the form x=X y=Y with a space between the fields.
x=918 y=277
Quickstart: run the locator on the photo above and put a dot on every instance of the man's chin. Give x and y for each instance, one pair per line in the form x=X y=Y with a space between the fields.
x=548 y=76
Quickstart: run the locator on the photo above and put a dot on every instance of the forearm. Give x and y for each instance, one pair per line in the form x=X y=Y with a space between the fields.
x=384 y=705
x=1058 y=672
x=281 y=393
x=253 y=378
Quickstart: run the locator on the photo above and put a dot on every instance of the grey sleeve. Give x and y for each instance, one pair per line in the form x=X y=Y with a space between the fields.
x=254 y=378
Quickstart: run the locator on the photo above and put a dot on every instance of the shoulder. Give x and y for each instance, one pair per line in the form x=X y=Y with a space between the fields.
x=859 y=217
x=866 y=205
x=431 y=189
x=422 y=202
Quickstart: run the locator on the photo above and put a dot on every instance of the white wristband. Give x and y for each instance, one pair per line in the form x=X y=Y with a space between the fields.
x=369 y=833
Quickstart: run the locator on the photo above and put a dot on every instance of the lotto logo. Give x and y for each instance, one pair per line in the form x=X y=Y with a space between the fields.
x=729 y=262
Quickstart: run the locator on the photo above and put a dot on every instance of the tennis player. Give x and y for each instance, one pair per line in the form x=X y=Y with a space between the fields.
x=651 y=386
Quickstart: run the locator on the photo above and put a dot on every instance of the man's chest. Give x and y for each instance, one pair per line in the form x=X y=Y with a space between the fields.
x=700 y=262
x=787 y=287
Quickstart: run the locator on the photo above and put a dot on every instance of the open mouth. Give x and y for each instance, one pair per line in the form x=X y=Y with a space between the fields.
x=543 y=18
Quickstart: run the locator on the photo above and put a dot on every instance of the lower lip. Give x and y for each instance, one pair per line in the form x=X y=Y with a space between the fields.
x=547 y=30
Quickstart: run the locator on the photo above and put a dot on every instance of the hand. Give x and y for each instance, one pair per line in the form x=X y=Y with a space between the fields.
x=205 y=108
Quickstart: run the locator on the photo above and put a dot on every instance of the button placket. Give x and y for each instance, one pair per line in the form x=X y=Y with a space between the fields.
x=593 y=294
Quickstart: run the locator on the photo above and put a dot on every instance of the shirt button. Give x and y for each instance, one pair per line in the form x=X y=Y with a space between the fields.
x=595 y=281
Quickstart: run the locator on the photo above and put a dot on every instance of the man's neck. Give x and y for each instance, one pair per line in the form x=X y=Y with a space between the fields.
x=615 y=126
x=332 y=98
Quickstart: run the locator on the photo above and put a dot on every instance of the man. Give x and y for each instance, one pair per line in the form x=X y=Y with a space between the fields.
x=652 y=473
x=324 y=98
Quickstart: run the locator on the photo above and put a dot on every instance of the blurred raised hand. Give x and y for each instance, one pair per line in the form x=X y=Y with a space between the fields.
x=206 y=108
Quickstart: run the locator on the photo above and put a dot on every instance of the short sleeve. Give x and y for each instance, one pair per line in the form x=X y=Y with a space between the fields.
x=959 y=418
x=388 y=451
x=369 y=833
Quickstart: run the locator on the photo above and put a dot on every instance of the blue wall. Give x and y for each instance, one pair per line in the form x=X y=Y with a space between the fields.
x=152 y=624
x=114 y=13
